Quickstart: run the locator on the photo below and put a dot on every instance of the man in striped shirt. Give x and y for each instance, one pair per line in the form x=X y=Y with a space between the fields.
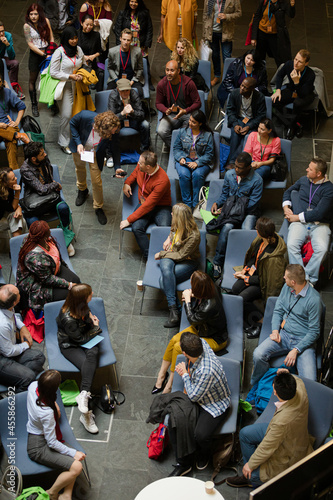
x=205 y=384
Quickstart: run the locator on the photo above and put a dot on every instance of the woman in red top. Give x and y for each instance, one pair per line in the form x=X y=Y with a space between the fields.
x=264 y=146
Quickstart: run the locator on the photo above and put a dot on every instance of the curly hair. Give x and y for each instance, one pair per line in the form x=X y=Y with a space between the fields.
x=42 y=26
x=188 y=60
x=38 y=231
x=104 y=123
x=183 y=221
x=4 y=193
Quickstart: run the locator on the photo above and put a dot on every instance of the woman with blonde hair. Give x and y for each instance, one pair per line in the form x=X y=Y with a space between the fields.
x=76 y=326
x=205 y=313
x=45 y=445
x=185 y=55
x=179 y=258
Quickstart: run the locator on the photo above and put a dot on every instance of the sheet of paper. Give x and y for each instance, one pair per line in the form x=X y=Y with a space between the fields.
x=91 y=343
x=87 y=156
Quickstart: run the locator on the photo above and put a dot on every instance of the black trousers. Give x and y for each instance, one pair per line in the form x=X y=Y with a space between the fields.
x=85 y=360
x=300 y=103
x=249 y=293
x=268 y=44
x=205 y=428
x=68 y=275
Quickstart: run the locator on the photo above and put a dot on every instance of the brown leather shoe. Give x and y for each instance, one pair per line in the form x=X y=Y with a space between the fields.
x=215 y=81
x=22 y=137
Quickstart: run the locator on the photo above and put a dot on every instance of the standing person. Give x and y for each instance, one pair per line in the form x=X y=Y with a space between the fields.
x=45 y=444
x=206 y=385
x=98 y=9
x=264 y=146
x=193 y=151
x=92 y=131
x=269 y=449
x=205 y=313
x=19 y=364
x=179 y=258
x=269 y=31
x=38 y=35
x=66 y=60
x=10 y=211
x=125 y=61
x=76 y=326
x=136 y=17
x=7 y=53
x=178 y=20
x=90 y=43
x=58 y=12
x=218 y=28
x=176 y=97
x=186 y=56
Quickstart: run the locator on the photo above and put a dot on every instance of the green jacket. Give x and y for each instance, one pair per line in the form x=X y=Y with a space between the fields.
x=271 y=268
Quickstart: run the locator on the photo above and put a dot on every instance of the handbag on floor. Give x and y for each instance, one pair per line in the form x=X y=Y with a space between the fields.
x=202 y=205
x=157 y=441
x=33 y=493
x=11 y=474
x=69 y=234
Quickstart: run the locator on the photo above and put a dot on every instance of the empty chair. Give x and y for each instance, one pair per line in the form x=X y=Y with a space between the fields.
x=239 y=240
x=286 y=149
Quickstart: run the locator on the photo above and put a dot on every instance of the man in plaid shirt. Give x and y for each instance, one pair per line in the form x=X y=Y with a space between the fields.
x=206 y=384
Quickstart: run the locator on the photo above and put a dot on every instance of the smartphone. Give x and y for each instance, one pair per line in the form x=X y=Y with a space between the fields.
x=122 y=174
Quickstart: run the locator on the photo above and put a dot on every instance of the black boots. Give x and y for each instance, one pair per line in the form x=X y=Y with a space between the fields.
x=174 y=318
x=34 y=104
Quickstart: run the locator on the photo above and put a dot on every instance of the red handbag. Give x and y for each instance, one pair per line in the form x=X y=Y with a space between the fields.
x=157 y=441
x=35 y=325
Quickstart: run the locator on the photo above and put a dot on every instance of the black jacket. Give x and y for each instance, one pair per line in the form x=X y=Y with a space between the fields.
x=146 y=26
x=306 y=83
x=183 y=416
x=74 y=332
x=7 y=205
x=51 y=10
x=231 y=80
x=36 y=182
x=116 y=105
x=280 y=9
x=208 y=317
x=233 y=212
x=258 y=106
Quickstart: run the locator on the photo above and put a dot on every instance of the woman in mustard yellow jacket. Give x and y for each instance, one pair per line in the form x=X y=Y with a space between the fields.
x=178 y=19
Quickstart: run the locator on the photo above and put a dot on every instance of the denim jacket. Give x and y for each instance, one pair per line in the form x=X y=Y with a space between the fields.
x=204 y=147
x=250 y=186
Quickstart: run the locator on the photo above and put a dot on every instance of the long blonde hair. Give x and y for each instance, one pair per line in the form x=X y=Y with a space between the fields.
x=190 y=56
x=183 y=221
x=4 y=193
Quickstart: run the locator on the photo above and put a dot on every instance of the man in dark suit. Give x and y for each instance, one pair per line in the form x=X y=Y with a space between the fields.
x=246 y=108
x=126 y=62
x=126 y=105
x=94 y=133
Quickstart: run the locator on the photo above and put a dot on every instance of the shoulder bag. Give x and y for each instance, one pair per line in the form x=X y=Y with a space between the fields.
x=279 y=168
x=36 y=204
x=202 y=205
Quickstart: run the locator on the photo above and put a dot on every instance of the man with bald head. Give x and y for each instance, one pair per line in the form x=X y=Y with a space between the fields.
x=19 y=364
x=176 y=97
x=246 y=108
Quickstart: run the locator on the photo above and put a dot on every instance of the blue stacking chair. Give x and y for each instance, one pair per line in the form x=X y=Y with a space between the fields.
x=129 y=205
x=286 y=149
x=56 y=360
x=2 y=279
x=16 y=242
x=226 y=65
x=213 y=174
x=27 y=466
x=266 y=330
x=233 y=308
x=320 y=410
x=239 y=240
x=152 y=273
x=232 y=371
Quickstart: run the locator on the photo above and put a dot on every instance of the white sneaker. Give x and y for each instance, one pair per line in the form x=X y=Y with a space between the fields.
x=109 y=162
x=88 y=422
x=82 y=400
x=71 y=250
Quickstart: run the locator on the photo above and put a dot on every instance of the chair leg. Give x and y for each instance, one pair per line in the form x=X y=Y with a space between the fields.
x=121 y=237
x=86 y=472
x=143 y=294
x=115 y=375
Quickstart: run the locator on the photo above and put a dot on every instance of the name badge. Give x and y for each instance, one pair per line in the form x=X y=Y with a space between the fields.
x=179 y=21
x=126 y=123
x=174 y=108
x=245 y=120
x=124 y=75
x=193 y=155
x=218 y=20
x=142 y=200
x=294 y=95
x=283 y=323
x=252 y=270
x=269 y=29
x=135 y=34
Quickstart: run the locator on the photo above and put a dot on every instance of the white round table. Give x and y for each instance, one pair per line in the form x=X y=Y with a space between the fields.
x=177 y=488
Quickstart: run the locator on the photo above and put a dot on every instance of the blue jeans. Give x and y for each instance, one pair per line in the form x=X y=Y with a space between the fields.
x=172 y=273
x=236 y=143
x=306 y=363
x=264 y=171
x=161 y=216
x=248 y=223
x=250 y=437
x=63 y=213
x=320 y=240
x=226 y=52
x=20 y=371
x=190 y=182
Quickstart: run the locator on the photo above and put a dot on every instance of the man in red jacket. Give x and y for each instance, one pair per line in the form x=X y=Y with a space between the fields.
x=176 y=97
x=154 y=198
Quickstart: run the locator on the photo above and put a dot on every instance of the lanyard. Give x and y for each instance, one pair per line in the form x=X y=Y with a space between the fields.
x=292 y=307
x=100 y=9
x=310 y=195
x=174 y=239
x=261 y=151
x=220 y=5
x=94 y=143
x=145 y=180
x=269 y=14
x=134 y=21
x=71 y=58
x=260 y=251
x=194 y=139
x=121 y=59
x=173 y=95
x=246 y=73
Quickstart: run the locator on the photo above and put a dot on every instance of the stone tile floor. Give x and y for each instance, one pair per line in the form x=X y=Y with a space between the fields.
x=117 y=457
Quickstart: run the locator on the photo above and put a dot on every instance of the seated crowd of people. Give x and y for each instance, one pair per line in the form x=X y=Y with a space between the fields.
x=274 y=265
